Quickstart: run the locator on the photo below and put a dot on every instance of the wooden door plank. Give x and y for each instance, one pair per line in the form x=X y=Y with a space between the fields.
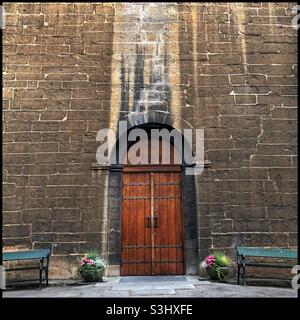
x=179 y=224
x=135 y=223
x=135 y=237
x=164 y=224
x=172 y=226
x=152 y=224
x=147 y=207
x=131 y=229
x=169 y=240
x=139 y=227
x=158 y=236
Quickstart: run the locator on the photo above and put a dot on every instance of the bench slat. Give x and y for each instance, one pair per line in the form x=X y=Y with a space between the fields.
x=267 y=252
x=22 y=268
x=25 y=255
x=269 y=265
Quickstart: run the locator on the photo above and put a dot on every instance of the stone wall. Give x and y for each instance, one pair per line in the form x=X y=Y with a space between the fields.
x=240 y=78
x=71 y=69
x=57 y=78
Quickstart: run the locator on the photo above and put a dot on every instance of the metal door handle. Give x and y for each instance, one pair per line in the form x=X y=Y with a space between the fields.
x=155 y=222
x=148 y=222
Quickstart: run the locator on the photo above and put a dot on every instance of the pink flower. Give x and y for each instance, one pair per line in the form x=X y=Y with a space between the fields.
x=89 y=261
x=210 y=261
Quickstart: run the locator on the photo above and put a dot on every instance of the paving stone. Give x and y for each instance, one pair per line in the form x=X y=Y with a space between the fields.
x=153 y=292
x=152 y=278
x=145 y=289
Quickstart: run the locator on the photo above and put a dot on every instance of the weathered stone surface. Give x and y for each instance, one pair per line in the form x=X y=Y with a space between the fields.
x=71 y=69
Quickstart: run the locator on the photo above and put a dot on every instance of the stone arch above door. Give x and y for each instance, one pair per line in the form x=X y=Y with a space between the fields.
x=151 y=118
x=154 y=116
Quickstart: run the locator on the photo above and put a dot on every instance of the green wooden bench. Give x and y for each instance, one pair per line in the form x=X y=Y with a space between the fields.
x=243 y=253
x=43 y=255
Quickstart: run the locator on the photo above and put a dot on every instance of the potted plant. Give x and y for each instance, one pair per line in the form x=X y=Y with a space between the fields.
x=217 y=266
x=92 y=267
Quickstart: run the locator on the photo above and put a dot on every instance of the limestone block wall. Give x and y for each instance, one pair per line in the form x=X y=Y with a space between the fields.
x=71 y=69
x=241 y=78
x=57 y=87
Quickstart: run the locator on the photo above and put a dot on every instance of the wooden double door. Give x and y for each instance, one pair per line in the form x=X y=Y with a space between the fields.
x=151 y=222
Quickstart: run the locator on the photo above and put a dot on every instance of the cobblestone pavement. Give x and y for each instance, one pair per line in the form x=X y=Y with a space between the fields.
x=169 y=286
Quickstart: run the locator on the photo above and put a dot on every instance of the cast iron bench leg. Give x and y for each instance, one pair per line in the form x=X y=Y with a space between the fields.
x=241 y=265
x=46 y=270
x=41 y=271
x=244 y=273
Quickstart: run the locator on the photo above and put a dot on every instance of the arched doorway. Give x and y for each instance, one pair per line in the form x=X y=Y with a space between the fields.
x=152 y=236
x=189 y=210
